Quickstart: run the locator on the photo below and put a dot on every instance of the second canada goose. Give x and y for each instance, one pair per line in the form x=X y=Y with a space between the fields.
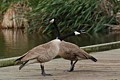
x=71 y=51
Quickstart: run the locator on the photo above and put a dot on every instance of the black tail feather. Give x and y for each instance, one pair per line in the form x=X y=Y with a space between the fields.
x=19 y=58
x=93 y=59
x=18 y=61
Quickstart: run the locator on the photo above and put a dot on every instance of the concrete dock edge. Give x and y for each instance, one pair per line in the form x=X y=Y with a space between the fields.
x=92 y=48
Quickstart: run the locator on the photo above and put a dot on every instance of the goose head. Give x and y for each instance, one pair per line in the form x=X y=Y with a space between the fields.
x=57 y=30
x=58 y=34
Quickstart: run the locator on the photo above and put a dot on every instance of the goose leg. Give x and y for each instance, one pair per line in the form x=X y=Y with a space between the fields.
x=43 y=71
x=22 y=65
x=71 y=62
x=72 y=66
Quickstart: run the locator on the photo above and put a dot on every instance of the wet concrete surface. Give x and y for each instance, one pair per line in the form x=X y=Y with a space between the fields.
x=106 y=68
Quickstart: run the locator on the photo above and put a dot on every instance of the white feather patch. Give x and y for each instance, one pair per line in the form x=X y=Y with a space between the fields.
x=76 y=33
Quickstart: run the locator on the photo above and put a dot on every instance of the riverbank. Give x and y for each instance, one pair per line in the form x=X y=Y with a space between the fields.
x=92 y=48
x=106 y=68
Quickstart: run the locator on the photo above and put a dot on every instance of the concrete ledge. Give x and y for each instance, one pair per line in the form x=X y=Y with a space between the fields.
x=102 y=47
x=92 y=48
x=7 y=62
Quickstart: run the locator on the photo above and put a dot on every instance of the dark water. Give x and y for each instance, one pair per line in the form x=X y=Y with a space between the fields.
x=17 y=42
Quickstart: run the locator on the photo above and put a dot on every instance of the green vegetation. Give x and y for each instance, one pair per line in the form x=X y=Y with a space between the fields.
x=70 y=14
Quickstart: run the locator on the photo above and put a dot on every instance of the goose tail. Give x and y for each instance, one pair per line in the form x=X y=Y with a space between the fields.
x=17 y=61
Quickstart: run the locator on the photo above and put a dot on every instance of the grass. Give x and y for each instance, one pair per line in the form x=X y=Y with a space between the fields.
x=70 y=14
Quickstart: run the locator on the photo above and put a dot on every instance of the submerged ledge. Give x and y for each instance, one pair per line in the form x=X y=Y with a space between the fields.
x=92 y=48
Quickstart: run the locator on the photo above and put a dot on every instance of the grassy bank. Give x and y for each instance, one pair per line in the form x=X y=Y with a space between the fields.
x=90 y=15
x=92 y=48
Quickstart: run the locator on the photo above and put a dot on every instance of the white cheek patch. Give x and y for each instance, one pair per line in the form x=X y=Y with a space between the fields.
x=51 y=21
x=76 y=33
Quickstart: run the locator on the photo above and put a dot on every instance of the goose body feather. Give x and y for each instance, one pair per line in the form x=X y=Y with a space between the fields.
x=42 y=53
x=71 y=51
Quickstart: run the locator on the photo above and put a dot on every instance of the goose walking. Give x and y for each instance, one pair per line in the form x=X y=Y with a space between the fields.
x=71 y=51
x=42 y=53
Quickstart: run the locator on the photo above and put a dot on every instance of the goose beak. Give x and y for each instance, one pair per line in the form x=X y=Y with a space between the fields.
x=82 y=31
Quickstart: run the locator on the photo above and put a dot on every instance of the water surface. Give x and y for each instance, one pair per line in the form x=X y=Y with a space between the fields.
x=17 y=42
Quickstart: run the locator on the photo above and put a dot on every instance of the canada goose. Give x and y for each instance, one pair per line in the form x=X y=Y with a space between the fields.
x=71 y=51
x=42 y=53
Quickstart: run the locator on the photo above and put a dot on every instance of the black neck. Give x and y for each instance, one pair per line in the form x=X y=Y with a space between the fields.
x=59 y=35
x=66 y=36
x=57 y=30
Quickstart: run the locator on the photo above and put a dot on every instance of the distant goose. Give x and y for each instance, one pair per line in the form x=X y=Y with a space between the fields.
x=42 y=53
x=71 y=51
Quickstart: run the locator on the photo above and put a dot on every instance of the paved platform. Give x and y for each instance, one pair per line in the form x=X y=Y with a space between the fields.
x=107 y=68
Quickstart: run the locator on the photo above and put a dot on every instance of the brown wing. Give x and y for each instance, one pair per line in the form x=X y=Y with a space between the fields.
x=74 y=50
x=67 y=50
x=35 y=52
